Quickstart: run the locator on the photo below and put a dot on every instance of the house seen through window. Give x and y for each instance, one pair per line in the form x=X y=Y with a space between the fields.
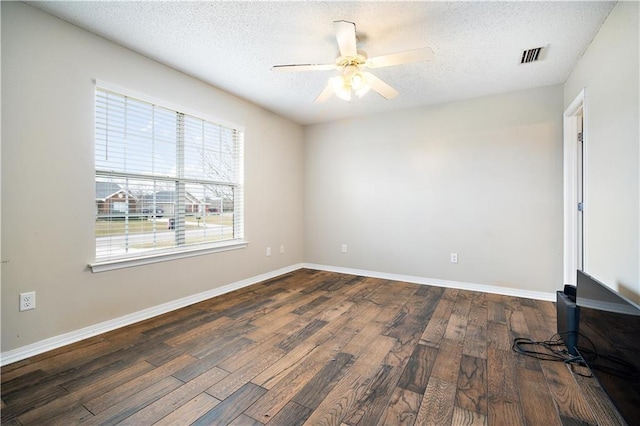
x=166 y=181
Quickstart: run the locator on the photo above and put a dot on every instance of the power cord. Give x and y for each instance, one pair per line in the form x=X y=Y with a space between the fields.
x=547 y=350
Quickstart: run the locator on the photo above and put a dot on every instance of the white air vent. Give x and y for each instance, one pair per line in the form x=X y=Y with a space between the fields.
x=530 y=55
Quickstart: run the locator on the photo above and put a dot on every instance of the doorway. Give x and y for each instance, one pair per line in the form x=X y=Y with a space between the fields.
x=575 y=154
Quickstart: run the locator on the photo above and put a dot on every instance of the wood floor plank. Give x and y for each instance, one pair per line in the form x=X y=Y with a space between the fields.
x=478 y=315
x=252 y=308
x=273 y=324
x=334 y=311
x=119 y=411
x=495 y=312
x=391 y=296
x=234 y=381
x=197 y=333
x=291 y=414
x=447 y=363
x=164 y=354
x=19 y=365
x=299 y=336
x=276 y=371
x=536 y=400
x=437 y=325
x=601 y=406
x=417 y=371
x=462 y=306
x=250 y=354
x=451 y=294
x=434 y=332
x=70 y=402
x=211 y=354
x=80 y=377
x=475 y=341
x=285 y=387
x=59 y=362
x=456 y=328
x=498 y=336
x=244 y=420
x=174 y=400
x=26 y=380
x=502 y=383
x=362 y=290
x=372 y=404
x=362 y=338
x=566 y=393
x=408 y=330
x=214 y=349
x=225 y=412
x=189 y=412
x=462 y=417
x=86 y=370
x=171 y=324
x=502 y=389
x=341 y=399
x=75 y=416
x=319 y=301
x=282 y=392
x=436 y=407
x=471 y=392
x=502 y=412
x=323 y=381
x=445 y=305
x=132 y=387
x=339 y=402
x=518 y=325
x=25 y=402
x=548 y=313
x=402 y=409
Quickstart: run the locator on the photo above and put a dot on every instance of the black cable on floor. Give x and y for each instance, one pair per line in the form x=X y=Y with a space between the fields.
x=548 y=350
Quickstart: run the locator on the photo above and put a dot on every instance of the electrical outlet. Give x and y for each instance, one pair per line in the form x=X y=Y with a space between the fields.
x=454 y=257
x=281 y=249
x=268 y=251
x=344 y=248
x=27 y=301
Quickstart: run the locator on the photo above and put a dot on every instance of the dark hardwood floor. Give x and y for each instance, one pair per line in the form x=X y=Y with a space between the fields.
x=313 y=347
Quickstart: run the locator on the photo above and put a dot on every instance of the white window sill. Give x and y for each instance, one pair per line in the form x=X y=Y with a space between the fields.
x=110 y=265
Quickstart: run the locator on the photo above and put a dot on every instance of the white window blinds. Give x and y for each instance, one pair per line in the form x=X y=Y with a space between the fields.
x=166 y=181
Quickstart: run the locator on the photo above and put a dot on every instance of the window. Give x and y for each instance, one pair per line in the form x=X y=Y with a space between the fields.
x=166 y=182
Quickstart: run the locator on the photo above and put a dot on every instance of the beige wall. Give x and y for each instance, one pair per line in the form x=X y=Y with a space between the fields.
x=481 y=177
x=48 y=184
x=609 y=73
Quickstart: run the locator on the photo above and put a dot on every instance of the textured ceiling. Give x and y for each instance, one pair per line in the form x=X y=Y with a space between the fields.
x=232 y=45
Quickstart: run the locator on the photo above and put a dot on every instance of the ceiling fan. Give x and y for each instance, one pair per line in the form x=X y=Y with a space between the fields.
x=351 y=64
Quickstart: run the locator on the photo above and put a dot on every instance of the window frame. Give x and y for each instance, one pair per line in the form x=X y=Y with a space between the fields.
x=181 y=251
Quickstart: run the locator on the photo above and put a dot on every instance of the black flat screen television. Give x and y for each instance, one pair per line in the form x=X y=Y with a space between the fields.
x=609 y=343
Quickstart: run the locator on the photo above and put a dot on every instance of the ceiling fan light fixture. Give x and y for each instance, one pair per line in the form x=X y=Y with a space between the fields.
x=351 y=80
x=345 y=95
x=358 y=82
x=352 y=65
x=363 y=90
x=341 y=87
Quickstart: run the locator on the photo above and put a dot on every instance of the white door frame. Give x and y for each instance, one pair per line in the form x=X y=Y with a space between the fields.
x=571 y=125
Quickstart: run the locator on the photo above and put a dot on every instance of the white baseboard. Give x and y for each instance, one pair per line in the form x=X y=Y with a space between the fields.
x=506 y=291
x=27 y=351
x=42 y=346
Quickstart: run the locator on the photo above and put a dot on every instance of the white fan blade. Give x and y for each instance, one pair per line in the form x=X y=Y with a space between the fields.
x=326 y=94
x=346 y=37
x=406 y=57
x=380 y=86
x=303 y=67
